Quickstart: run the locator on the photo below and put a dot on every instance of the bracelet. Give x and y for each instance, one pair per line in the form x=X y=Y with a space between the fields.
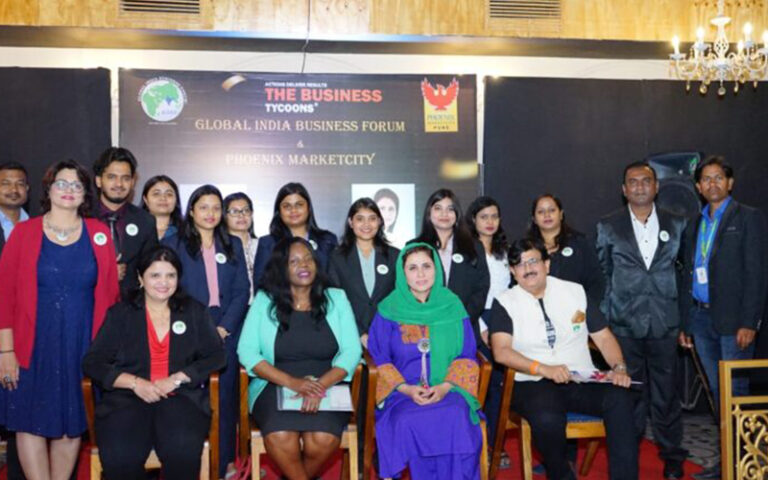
x=6 y=351
x=534 y=367
x=619 y=368
x=135 y=380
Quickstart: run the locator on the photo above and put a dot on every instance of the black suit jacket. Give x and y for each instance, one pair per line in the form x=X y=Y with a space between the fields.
x=736 y=271
x=132 y=247
x=121 y=346
x=345 y=272
x=470 y=280
x=642 y=302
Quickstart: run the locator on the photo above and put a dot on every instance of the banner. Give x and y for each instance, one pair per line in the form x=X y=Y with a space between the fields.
x=342 y=136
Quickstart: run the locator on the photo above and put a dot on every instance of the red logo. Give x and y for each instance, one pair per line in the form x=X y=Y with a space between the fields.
x=440 y=96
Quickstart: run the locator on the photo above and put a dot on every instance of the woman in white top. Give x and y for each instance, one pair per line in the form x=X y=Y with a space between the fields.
x=239 y=210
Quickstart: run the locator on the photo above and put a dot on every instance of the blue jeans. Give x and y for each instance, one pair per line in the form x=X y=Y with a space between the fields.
x=713 y=347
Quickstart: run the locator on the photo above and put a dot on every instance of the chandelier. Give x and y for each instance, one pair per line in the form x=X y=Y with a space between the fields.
x=707 y=63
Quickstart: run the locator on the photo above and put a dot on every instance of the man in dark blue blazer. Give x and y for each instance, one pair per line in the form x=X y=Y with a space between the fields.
x=726 y=279
x=641 y=249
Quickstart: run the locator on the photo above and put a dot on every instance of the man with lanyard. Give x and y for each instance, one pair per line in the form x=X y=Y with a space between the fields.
x=133 y=230
x=727 y=285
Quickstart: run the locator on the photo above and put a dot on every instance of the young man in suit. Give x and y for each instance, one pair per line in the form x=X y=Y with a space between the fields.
x=640 y=249
x=13 y=195
x=726 y=279
x=133 y=230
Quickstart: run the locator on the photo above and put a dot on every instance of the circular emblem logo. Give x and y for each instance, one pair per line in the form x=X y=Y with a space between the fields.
x=382 y=269
x=100 y=239
x=664 y=236
x=457 y=257
x=567 y=252
x=179 y=327
x=162 y=99
x=132 y=229
x=313 y=243
x=221 y=259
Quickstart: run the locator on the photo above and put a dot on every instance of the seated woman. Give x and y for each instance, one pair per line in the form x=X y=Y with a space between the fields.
x=422 y=341
x=301 y=335
x=151 y=358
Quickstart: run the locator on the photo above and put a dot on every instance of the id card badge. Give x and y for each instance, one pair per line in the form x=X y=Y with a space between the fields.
x=701 y=276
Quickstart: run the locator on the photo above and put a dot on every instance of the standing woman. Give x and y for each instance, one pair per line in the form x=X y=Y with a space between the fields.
x=465 y=271
x=299 y=334
x=364 y=264
x=293 y=216
x=215 y=275
x=239 y=210
x=161 y=199
x=58 y=277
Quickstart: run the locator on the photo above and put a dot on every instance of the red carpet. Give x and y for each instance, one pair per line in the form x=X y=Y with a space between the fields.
x=650 y=465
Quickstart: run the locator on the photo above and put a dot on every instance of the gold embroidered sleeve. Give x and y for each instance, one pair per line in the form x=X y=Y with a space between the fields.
x=464 y=373
x=389 y=378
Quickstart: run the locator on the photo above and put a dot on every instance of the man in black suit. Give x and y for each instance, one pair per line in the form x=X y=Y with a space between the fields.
x=133 y=230
x=641 y=248
x=726 y=282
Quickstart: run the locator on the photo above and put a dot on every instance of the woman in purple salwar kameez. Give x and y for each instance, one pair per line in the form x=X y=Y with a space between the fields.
x=422 y=342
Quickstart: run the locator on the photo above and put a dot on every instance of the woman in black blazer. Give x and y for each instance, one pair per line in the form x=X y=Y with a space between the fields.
x=464 y=263
x=152 y=358
x=293 y=216
x=351 y=263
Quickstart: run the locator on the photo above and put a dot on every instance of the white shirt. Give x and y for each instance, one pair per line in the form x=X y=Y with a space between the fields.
x=646 y=234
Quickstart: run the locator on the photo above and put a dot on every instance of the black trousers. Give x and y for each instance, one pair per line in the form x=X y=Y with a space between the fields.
x=654 y=362
x=174 y=427
x=545 y=404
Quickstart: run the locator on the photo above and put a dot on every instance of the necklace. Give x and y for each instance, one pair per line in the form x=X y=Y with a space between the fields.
x=61 y=234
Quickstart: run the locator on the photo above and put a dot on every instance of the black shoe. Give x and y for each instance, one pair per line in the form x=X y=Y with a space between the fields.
x=673 y=470
x=712 y=472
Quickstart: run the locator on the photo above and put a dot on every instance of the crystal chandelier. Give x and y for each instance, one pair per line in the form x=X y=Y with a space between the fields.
x=707 y=63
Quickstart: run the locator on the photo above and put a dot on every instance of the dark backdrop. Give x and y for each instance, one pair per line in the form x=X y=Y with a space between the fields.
x=50 y=115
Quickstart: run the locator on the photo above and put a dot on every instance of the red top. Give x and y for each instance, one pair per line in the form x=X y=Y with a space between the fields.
x=158 y=352
x=18 y=281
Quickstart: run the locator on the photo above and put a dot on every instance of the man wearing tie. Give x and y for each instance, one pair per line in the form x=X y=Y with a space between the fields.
x=133 y=230
x=641 y=248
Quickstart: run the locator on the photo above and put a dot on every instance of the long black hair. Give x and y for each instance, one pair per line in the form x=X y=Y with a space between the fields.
x=499 y=242
x=463 y=242
x=566 y=232
x=349 y=241
x=390 y=194
x=277 y=286
x=175 y=219
x=190 y=234
x=277 y=228
x=239 y=196
x=159 y=253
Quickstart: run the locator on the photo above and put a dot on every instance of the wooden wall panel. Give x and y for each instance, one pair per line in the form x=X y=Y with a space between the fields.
x=342 y=17
x=274 y=16
x=428 y=17
x=18 y=12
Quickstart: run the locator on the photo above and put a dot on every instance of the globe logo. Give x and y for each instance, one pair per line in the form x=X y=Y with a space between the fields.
x=162 y=99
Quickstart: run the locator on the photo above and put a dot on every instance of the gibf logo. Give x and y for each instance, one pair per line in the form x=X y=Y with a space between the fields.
x=440 y=106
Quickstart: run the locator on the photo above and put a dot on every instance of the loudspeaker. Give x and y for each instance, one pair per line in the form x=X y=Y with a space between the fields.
x=677 y=191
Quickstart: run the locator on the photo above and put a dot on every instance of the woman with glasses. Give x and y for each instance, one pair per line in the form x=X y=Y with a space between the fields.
x=161 y=199
x=238 y=208
x=58 y=277
x=215 y=275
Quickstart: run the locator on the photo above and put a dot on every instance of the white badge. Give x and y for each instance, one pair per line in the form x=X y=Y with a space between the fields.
x=664 y=236
x=701 y=276
x=221 y=258
x=382 y=269
x=457 y=257
x=313 y=243
x=179 y=327
x=100 y=239
x=567 y=252
x=132 y=229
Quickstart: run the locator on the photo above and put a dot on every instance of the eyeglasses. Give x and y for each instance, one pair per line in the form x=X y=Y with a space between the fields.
x=236 y=212
x=531 y=262
x=64 y=185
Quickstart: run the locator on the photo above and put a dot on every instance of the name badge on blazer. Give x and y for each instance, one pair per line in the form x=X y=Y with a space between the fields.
x=578 y=320
x=132 y=229
x=100 y=239
x=382 y=269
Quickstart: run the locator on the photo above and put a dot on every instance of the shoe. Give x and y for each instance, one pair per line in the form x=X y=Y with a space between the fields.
x=712 y=472
x=673 y=470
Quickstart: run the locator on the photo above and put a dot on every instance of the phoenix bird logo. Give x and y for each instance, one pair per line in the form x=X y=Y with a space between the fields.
x=440 y=96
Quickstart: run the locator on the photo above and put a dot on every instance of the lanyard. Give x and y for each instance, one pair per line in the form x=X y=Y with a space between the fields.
x=705 y=238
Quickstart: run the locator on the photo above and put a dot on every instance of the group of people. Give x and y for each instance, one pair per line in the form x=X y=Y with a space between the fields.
x=149 y=303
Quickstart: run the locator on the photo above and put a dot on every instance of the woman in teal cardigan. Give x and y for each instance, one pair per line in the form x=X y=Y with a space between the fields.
x=300 y=335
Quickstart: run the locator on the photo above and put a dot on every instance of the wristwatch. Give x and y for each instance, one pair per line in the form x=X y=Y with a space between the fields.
x=619 y=368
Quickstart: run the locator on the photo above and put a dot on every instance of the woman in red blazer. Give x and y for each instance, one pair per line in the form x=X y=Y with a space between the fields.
x=58 y=277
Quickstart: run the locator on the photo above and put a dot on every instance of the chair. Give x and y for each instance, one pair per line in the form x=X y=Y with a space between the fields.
x=209 y=460
x=249 y=429
x=370 y=443
x=578 y=426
